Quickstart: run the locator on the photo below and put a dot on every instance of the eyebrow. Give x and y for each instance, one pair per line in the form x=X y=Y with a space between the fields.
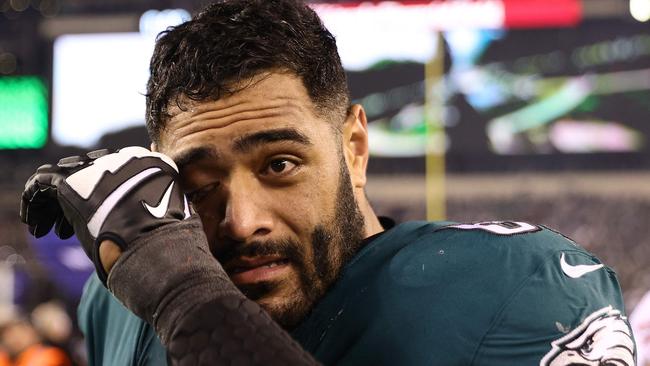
x=193 y=155
x=246 y=143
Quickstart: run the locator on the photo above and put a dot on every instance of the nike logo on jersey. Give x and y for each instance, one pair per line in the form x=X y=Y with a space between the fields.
x=160 y=210
x=579 y=270
x=98 y=218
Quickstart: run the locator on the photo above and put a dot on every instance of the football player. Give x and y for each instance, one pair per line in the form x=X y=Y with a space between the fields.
x=245 y=236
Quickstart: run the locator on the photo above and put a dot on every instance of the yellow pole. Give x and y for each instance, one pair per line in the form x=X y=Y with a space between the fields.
x=435 y=134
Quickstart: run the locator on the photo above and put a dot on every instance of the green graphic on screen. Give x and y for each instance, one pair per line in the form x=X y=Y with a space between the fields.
x=23 y=113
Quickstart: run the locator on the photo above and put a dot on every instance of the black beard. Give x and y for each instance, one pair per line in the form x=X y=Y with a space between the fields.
x=333 y=245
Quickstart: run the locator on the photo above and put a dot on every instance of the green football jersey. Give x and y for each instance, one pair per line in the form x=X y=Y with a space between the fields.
x=114 y=336
x=498 y=293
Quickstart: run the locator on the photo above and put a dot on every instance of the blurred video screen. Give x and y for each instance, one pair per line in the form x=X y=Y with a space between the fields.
x=509 y=98
x=522 y=92
x=542 y=98
x=99 y=82
x=571 y=91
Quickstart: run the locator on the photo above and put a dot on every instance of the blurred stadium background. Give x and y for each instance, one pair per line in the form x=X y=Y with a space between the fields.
x=527 y=110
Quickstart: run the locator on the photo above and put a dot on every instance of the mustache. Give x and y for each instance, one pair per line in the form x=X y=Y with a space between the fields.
x=286 y=248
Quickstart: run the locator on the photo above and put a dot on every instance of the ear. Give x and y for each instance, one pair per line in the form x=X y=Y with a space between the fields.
x=153 y=147
x=355 y=145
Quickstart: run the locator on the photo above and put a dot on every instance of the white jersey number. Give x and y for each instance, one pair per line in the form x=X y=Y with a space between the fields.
x=499 y=227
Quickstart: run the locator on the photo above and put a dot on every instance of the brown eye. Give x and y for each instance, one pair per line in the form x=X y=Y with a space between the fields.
x=280 y=167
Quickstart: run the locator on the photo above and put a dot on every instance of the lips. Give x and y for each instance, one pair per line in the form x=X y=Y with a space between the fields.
x=247 y=270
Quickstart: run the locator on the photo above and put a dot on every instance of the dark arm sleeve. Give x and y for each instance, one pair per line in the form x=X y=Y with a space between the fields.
x=233 y=330
x=169 y=278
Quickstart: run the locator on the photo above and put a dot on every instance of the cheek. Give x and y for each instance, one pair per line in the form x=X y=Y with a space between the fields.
x=310 y=203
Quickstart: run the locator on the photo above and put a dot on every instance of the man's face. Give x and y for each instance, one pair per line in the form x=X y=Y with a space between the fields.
x=269 y=180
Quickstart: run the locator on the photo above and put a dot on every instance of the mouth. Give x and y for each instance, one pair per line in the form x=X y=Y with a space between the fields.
x=247 y=270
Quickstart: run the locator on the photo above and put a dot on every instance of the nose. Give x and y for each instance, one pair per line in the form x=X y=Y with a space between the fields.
x=247 y=211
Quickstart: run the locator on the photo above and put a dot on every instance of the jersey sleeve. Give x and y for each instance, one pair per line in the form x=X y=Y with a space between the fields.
x=150 y=352
x=568 y=312
x=112 y=334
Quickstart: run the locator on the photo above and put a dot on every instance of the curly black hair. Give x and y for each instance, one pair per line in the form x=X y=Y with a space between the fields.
x=230 y=42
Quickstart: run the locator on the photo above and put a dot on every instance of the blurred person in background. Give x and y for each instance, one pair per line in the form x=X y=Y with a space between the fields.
x=25 y=347
x=54 y=325
x=8 y=313
x=249 y=114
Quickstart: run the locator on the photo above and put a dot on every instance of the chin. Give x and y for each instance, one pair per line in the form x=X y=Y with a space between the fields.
x=285 y=298
x=287 y=306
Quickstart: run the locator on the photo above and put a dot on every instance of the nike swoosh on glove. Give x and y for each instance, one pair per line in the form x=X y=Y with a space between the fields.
x=104 y=196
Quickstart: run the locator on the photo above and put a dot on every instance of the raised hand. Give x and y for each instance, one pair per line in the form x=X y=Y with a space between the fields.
x=104 y=196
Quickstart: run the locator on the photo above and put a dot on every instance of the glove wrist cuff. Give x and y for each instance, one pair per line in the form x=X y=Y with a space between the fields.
x=167 y=272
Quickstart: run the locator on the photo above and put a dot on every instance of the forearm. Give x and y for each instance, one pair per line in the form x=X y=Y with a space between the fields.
x=232 y=329
x=169 y=278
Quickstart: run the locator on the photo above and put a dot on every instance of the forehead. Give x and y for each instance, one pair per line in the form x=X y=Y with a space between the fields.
x=268 y=101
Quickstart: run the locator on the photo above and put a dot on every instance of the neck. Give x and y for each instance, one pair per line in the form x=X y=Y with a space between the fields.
x=370 y=219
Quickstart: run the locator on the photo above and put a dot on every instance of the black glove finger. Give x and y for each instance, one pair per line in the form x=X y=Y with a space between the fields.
x=39 y=207
x=39 y=201
x=45 y=168
x=63 y=228
x=98 y=153
x=28 y=199
x=35 y=183
x=42 y=227
x=72 y=162
x=24 y=205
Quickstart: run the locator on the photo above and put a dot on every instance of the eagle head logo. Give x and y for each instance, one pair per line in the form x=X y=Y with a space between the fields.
x=604 y=338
